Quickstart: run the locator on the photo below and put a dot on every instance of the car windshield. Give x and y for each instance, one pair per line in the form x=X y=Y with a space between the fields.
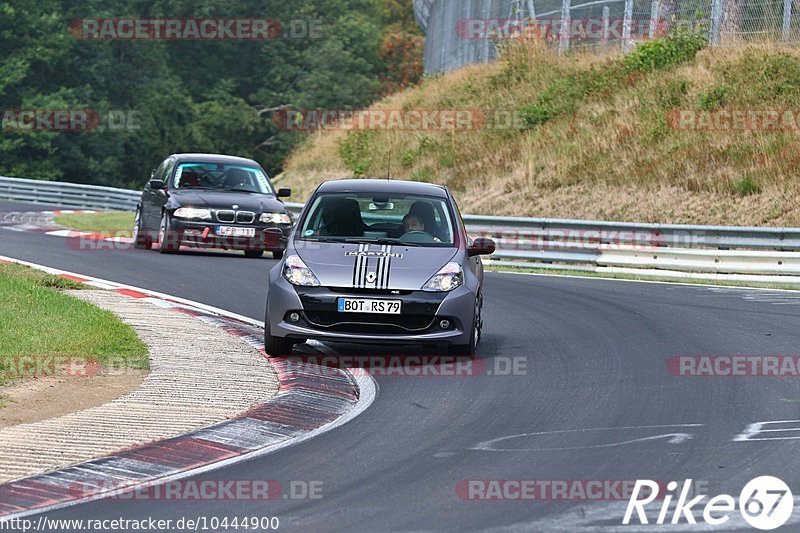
x=217 y=176
x=412 y=220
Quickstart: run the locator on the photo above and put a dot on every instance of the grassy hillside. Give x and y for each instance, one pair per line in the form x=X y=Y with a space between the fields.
x=594 y=137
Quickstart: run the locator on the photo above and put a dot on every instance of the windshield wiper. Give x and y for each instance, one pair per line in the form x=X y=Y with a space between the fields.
x=383 y=240
x=362 y=240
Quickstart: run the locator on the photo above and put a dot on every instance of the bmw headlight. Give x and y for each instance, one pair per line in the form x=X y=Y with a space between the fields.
x=448 y=278
x=297 y=273
x=190 y=212
x=276 y=218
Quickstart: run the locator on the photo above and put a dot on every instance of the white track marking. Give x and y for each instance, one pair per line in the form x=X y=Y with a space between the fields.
x=672 y=438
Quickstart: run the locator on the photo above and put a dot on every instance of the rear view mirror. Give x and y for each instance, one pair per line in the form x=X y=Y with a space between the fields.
x=482 y=246
x=157 y=185
x=284 y=192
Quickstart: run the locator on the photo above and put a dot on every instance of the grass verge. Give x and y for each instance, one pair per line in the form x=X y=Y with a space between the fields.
x=112 y=223
x=595 y=136
x=40 y=325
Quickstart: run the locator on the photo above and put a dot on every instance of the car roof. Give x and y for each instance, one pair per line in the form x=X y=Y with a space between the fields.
x=383 y=186
x=214 y=158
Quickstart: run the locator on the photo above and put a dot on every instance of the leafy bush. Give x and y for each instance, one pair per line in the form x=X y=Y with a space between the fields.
x=660 y=54
x=561 y=96
x=356 y=151
x=713 y=99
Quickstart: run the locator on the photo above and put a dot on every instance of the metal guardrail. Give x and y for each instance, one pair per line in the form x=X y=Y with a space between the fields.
x=546 y=242
x=68 y=194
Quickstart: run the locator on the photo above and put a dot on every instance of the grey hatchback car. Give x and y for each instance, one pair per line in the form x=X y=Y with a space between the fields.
x=378 y=261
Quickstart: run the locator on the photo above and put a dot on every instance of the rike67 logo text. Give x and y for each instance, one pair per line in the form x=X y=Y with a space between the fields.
x=765 y=503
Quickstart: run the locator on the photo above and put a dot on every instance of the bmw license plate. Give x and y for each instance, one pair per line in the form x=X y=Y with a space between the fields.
x=366 y=305
x=229 y=231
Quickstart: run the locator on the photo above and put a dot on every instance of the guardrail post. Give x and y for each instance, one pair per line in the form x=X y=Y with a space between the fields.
x=566 y=24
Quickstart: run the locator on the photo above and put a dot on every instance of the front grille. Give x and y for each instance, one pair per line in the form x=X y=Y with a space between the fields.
x=368 y=323
x=368 y=292
x=226 y=216
x=245 y=217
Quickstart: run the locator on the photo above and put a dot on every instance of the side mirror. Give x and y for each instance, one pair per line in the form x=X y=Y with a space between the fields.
x=284 y=192
x=157 y=185
x=481 y=246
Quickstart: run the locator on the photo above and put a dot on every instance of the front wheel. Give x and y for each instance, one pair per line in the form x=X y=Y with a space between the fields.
x=141 y=240
x=168 y=238
x=276 y=346
x=475 y=335
x=277 y=254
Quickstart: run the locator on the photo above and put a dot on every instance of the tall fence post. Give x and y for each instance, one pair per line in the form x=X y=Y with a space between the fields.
x=566 y=24
x=606 y=24
x=531 y=10
x=626 y=25
x=655 y=7
x=716 y=23
x=787 y=19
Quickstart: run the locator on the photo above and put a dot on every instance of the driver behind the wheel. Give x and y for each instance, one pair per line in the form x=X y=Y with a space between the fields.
x=412 y=223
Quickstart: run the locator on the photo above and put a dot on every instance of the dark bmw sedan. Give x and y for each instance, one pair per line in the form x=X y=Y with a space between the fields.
x=212 y=201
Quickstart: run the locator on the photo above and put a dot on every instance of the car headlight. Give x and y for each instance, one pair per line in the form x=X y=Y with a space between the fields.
x=276 y=218
x=447 y=279
x=190 y=212
x=297 y=273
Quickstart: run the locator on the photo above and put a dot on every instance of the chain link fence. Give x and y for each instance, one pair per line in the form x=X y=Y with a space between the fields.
x=462 y=32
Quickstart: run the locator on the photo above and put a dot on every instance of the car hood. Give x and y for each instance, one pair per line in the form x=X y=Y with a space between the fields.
x=256 y=202
x=373 y=266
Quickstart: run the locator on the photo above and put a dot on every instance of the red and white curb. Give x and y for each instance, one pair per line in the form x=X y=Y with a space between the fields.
x=309 y=402
x=42 y=222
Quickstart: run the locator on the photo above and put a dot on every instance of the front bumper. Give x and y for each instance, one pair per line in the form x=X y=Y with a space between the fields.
x=203 y=234
x=420 y=321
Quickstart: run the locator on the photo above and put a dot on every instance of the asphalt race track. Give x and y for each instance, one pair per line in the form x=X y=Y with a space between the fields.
x=595 y=401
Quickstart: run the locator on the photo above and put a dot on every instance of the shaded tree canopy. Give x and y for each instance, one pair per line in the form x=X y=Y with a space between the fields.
x=152 y=97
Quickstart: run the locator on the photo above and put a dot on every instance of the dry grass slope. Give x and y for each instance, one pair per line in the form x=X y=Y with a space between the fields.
x=593 y=139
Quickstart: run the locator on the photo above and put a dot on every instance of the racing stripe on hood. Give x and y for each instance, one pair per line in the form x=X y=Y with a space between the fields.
x=359 y=267
x=384 y=269
x=379 y=268
x=377 y=278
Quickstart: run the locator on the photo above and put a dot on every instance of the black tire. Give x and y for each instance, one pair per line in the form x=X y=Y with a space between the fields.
x=466 y=350
x=277 y=254
x=169 y=240
x=253 y=254
x=276 y=346
x=475 y=337
x=141 y=240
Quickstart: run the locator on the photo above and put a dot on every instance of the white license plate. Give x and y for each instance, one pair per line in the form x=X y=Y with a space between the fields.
x=365 y=305
x=228 y=231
